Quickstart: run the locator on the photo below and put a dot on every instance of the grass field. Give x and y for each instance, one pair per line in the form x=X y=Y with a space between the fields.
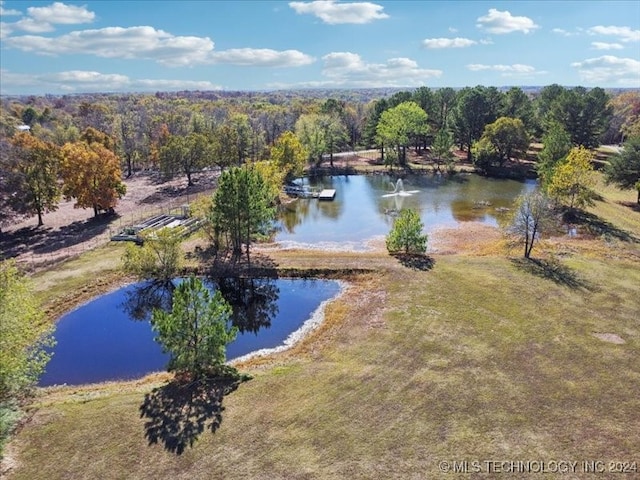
x=477 y=358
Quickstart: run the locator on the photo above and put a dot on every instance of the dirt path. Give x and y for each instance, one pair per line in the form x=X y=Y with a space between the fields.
x=69 y=231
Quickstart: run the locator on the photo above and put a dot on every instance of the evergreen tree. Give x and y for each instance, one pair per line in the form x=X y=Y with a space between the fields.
x=624 y=168
x=406 y=235
x=242 y=206
x=196 y=331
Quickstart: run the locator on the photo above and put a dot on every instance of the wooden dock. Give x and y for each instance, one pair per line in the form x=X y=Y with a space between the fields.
x=327 y=194
x=310 y=192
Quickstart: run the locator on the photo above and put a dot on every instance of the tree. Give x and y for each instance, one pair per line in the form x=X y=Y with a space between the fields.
x=532 y=216
x=584 y=114
x=288 y=155
x=399 y=125
x=508 y=137
x=374 y=112
x=484 y=154
x=91 y=174
x=335 y=134
x=406 y=234
x=29 y=116
x=25 y=335
x=556 y=145
x=624 y=168
x=572 y=180
x=444 y=103
x=35 y=165
x=475 y=108
x=517 y=104
x=129 y=132
x=188 y=154
x=242 y=206
x=625 y=119
x=319 y=134
x=159 y=257
x=195 y=332
x=441 y=148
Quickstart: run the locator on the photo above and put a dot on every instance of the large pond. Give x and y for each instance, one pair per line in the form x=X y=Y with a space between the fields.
x=110 y=338
x=365 y=205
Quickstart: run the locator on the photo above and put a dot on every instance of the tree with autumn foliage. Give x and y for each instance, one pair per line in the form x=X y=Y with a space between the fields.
x=32 y=182
x=289 y=155
x=572 y=180
x=91 y=172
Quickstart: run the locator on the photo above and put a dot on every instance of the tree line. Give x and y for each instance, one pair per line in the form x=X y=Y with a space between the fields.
x=181 y=135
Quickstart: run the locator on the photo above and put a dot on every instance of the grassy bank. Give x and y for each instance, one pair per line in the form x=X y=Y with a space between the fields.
x=476 y=357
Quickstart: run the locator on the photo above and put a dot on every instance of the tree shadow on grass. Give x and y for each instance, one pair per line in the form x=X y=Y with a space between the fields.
x=631 y=205
x=595 y=225
x=415 y=261
x=552 y=270
x=179 y=412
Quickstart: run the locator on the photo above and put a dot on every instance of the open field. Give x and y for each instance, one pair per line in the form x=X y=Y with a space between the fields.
x=472 y=356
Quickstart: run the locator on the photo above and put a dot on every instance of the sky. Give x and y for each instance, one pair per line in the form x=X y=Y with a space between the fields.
x=148 y=46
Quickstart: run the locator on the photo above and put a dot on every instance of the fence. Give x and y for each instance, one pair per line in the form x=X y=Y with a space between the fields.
x=98 y=235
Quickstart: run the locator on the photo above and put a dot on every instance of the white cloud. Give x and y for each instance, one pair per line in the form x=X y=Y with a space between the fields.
x=5 y=30
x=263 y=57
x=348 y=69
x=606 y=46
x=8 y=12
x=147 y=43
x=453 y=30
x=448 y=42
x=562 y=31
x=624 y=34
x=332 y=12
x=32 y=26
x=516 y=69
x=503 y=22
x=91 y=81
x=609 y=70
x=117 y=42
x=59 y=13
x=43 y=19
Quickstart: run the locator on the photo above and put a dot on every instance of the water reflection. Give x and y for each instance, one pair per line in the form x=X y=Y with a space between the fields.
x=99 y=341
x=254 y=301
x=145 y=297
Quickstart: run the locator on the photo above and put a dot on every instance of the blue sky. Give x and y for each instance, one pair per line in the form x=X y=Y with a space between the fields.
x=107 y=46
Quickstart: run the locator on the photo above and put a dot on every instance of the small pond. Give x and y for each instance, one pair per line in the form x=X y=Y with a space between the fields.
x=365 y=205
x=110 y=338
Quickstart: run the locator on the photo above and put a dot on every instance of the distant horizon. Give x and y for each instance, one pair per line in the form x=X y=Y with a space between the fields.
x=306 y=89
x=70 y=47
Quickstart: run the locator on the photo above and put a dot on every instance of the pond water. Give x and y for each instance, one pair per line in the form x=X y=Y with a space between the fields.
x=110 y=338
x=365 y=205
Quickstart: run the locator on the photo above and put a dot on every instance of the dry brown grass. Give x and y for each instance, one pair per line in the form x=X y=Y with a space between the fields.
x=476 y=358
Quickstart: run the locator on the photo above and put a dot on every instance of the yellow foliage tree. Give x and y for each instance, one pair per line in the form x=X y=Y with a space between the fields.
x=289 y=155
x=572 y=180
x=91 y=174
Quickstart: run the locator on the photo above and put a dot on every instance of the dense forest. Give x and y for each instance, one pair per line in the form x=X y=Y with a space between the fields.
x=80 y=146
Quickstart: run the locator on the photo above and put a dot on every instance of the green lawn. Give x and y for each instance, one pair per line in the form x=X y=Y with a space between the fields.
x=478 y=358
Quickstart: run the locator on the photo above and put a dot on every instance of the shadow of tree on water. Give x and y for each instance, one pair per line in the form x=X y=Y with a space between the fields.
x=179 y=412
x=415 y=261
x=552 y=270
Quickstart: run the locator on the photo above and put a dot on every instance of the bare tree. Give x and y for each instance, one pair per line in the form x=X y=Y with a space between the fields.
x=533 y=215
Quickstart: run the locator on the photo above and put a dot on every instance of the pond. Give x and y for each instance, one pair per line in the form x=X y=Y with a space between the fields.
x=365 y=205
x=110 y=338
